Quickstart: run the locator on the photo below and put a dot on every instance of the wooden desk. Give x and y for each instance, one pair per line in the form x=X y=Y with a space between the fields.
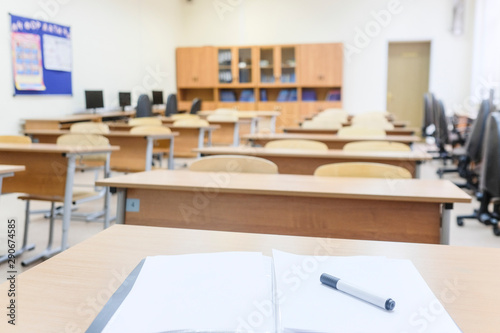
x=65 y=293
x=305 y=162
x=8 y=171
x=49 y=171
x=190 y=137
x=360 y=208
x=300 y=130
x=65 y=122
x=136 y=150
x=332 y=141
x=260 y=120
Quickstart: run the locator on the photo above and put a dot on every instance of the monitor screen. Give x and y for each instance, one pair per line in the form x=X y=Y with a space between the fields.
x=94 y=99
x=157 y=97
x=124 y=98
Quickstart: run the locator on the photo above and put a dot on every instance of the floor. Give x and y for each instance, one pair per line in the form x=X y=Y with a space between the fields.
x=472 y=234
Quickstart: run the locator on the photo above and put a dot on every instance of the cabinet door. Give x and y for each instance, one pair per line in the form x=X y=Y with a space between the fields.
x=321 y=65
x=195 y=67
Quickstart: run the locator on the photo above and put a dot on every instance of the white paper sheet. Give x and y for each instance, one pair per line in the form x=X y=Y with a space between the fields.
x=306 y=305
x=218 y=292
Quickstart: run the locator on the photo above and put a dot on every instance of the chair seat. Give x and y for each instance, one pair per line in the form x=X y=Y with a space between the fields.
x=77 y=195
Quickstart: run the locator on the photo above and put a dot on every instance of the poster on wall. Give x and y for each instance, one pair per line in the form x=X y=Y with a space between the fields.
x=41 y=57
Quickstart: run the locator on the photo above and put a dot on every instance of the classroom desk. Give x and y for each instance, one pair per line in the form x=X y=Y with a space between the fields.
x=259 y=119
x=305 y=162
x=8 y=171
x=300 y=130
x=332 y=141
x=65 y=122
x=406 y=210
x=136 y=150
x=50 y=171
x=190 y=137
x=66 y=293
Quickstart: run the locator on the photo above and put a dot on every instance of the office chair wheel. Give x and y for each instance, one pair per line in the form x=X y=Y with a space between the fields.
x=460 y=222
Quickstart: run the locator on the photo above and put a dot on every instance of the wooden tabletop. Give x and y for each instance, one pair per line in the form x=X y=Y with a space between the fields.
x=84 y=117
x=334 y=131
x=110 y=134
x=67 y=292
x=413 y=190
x=54 y=148
x=329 y=137
x=11 y=168
x=332 y=153
x=245 y=114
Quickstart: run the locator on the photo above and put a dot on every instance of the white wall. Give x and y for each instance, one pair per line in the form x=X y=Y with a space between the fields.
x=240 y=22
x=118 y=45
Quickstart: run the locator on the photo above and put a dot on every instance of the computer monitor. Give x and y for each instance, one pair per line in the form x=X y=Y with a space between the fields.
x=94 y=99
x=125 y=99
x=157 y=97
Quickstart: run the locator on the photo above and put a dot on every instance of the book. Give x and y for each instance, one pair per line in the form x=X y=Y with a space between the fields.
x=249 y=292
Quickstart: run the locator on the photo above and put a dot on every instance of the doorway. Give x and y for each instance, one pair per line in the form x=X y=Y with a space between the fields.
x=408 y=81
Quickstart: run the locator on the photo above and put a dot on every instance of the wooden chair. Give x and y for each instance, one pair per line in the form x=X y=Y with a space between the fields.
x=229 y=118
x=334 y=111
x=145 y=121
x=236 y=163
x=79 y=196
x=297 y=144
x=223 y=111
x=190 y=122
x=325 y=124
x=17 y=139
x=370 y=115
x=89 y=128
x=376 y=146
x=336 y=117
x=363 y=170
x=374 y=123
x=353 y=132
x=161 y=146
x=179 y=116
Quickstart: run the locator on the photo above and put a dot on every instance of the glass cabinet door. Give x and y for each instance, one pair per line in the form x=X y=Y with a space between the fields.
x=288 y=65
x=225 y=62
x=267 y=65
x=245 y=65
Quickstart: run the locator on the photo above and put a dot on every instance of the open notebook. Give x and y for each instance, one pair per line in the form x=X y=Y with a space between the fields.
x=249 y=292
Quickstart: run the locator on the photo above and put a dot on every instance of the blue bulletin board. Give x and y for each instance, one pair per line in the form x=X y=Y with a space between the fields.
x=41 y=57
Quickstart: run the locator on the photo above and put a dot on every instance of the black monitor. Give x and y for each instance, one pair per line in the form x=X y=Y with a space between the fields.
x=94 y=99
x=157 y=97
x=125 y=99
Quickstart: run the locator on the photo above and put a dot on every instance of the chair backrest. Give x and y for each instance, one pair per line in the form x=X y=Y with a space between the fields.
x=89 y=127
x=85 y=140
x=230 y=163
x=475 y=140
x=376 y=146
x=442 y=134
x=325 y=124
x=428 y=112
x=18 y=139
x=144 y=107
x=297 y=144
x=171 y=107
x=337 y=117
x=145 y=121
x=190 y=122
x=363 y=170
x=247 y=114
x=370 y=115
x=150 y=130
x=178 y=116
x=335 y=111
x=222 y=118
x=196 y=106
x=352 y=132
x=490 y=166
x=223 y=111
x=374 y=123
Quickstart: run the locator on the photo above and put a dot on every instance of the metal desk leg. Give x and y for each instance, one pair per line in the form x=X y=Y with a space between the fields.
x=201 y=140
x=47 y=253
x=273 y=124
x=418 y=171
x=209 y=141
x=236 y=135
x=26 y=246
x=107 y=195
x=68 y=200
x=171 y=165
x=445 y=223
x=121 y=204
x=253 y=126
x=149 y=153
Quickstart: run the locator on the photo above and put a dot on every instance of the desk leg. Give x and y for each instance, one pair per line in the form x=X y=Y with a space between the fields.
x=418 y=167
x=149 y=153
x=209 y=141
x=121 y=205
x=253 y=126
x=273 y=124
x=107 y=195
x=201 y=139
x=171 y=165
x=236 y=135
x=68 y=200
x=445 y=223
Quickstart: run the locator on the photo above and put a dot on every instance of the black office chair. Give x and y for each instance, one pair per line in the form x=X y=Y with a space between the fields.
x=428 y=121
x=490 y=177
x=196 y=106
x=144 y=107
x=171 y=107
x=469 y=156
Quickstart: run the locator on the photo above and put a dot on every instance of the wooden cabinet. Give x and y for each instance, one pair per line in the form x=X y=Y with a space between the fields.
x=195 y=67
x=277 y=65
x=319 y=65
x=237 y=66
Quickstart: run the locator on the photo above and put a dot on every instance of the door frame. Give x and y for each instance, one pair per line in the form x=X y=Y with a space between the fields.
x=416 y=40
